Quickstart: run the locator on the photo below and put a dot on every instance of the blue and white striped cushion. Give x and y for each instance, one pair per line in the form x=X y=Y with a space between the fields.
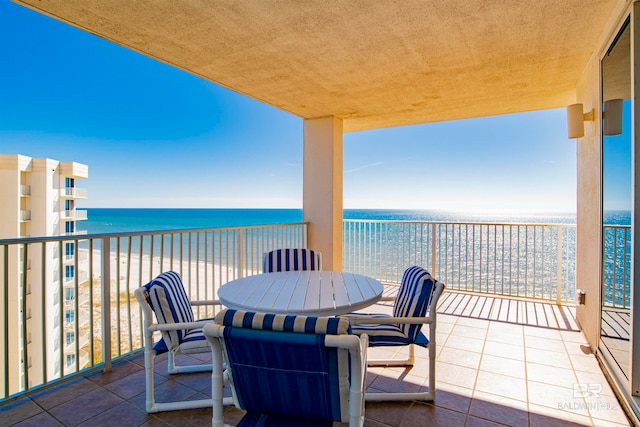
x=194 y=341
x=283 y=322
x=413 y=298
x=170 y=303
x=291 y=260
x=381 y=335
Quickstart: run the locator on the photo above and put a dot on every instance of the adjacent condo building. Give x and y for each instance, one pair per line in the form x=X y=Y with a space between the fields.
x=38 y=197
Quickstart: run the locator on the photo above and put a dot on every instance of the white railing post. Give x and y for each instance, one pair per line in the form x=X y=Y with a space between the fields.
x=434 y=270
x=240 y=268
x=559 y=266
x=105 y=296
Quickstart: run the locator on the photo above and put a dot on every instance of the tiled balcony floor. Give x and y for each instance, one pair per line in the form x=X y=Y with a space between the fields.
x=500 y=362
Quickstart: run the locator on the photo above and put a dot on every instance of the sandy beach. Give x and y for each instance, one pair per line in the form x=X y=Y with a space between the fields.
x=127 y=273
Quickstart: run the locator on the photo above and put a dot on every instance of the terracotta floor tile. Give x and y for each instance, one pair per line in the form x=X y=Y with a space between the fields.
x=499 y=409
x=64 y=392
x=19 y=410
x=469 y=332
x=587 y=363
x=476 y=323
x=479 y=422
x=509 y=351
x=453 y=397
x=489 y=373
x=123 y=415
x=423 y=414
x=502 y=385
x=389 y=413
x=557 y=398
x=456 y=375
x=85 y=407
x=547 y=357
x=507 y=336
x=542 y=416
x=455 y=356
x=553 y=334
x=503 y=365
x=43 y=419
x=464 y=343
x=544 y=343
x=551 y=375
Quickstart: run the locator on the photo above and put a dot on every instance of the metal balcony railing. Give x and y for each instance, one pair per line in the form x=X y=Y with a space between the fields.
x=103 y=314
x=74 y=214
x=617 y=266
x=522 y=260
x=75 y=193
x=518 y=260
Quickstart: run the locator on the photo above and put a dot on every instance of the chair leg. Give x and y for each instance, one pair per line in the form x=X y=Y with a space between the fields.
x=149 y=357
x=409 y=361
x=172 y=368
x=428 y=395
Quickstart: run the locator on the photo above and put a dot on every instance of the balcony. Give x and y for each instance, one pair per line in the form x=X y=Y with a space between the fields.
x=74 y=193
x=74 y=214
x=530 y=371
x=25 y=216
x=25 y=190
x=507 y=352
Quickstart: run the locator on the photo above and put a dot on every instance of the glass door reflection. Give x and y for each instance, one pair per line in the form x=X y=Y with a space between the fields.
x=617 y=199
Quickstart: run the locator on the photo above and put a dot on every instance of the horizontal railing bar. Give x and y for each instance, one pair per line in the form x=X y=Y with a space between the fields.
x=139 y=233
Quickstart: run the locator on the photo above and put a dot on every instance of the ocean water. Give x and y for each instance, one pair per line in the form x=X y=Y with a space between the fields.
x=617 y=239
x=104 y=220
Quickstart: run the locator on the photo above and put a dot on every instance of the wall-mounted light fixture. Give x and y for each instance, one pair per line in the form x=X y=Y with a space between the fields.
x=576 y=119
x=612 y=117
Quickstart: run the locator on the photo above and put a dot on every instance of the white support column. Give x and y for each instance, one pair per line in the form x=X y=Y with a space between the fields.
x=322 y=188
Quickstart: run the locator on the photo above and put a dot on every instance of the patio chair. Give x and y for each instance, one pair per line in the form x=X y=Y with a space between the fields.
x=181 y=334
x=291 y=260
x=414 y=306
x=287 y=370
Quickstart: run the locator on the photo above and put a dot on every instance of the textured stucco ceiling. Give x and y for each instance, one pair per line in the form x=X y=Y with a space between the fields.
x=375 y=63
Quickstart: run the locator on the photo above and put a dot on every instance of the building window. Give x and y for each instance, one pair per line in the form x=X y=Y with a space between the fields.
x=68 y=205
x=69 y=294
x=69 y=249
x=69 y=226
x=69 y=271
x=69 y=316
x=71 y=359
x=70 y=337
x=69 y=182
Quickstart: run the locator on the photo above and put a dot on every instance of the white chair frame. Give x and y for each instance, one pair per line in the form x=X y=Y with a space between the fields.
x=430 y=321
x=150 y=326
x=357 y=347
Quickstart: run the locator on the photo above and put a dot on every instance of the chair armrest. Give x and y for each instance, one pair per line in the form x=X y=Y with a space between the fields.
x=387 y=299
x=177 y=326
x=366 y=320
x=206 y=302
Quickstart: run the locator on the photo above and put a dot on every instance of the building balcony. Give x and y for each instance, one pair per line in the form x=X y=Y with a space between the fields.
x=74 y=214
x=75 y=233
x=25 y=190
x=74 y=193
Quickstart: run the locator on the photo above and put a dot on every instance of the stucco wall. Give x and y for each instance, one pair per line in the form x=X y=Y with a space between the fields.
x=589 y=206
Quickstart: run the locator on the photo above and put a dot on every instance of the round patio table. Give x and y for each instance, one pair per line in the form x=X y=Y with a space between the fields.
x=310 y=293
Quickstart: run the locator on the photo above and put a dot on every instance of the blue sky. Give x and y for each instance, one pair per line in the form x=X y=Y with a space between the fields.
x=155 y=136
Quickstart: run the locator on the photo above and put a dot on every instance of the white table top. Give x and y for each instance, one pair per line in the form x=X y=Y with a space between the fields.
x=312 y=293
